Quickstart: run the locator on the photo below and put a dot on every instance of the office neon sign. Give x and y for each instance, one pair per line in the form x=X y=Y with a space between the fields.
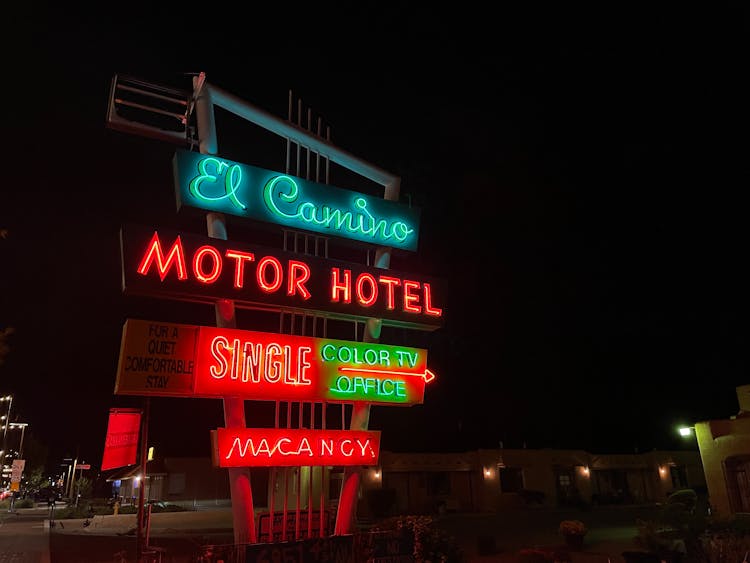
x=197 y=361
x=279 y=447
x=217 y=184
x=189 y=267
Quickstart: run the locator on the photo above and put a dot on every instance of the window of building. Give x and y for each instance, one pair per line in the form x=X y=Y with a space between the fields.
x=679 y=477
x=563 y=480
x=511 y=479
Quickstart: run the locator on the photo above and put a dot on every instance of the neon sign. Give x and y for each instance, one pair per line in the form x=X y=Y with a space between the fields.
x=274 y=447
x=198 y=361
x=194 y=268
x=218 y=184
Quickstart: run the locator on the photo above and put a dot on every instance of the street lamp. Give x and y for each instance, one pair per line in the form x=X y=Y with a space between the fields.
x=686 y=430
x=9 y=400
x=22 y=426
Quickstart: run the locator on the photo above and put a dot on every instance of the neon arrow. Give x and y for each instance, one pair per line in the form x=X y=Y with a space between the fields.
x=427 y=375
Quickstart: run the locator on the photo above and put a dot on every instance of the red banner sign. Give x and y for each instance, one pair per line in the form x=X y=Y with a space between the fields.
x=275 y=447
x=121 y=444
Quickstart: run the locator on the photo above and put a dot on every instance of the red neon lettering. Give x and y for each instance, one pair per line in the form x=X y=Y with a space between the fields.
x=239 y=268
x=410 y=298
x=252 y=362
x=299 y=273
x=288 y=447
x=198 y=264
x=390 y=284
x=274 y=367
x=260 y=274
x=428 y=309
x=337 y=286
x=220 y=370
x=154 y=252
x=366 y=301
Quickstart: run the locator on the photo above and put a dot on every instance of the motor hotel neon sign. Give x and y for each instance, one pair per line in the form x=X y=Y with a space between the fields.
x=190 y=267
x=261 y=447
x=191 y=361
x=217 y=184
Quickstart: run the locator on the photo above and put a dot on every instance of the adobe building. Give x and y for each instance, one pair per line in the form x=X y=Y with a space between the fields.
x=724 y=446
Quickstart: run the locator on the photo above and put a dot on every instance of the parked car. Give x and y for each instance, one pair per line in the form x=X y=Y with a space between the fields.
x=5 y=494
x=45 y=493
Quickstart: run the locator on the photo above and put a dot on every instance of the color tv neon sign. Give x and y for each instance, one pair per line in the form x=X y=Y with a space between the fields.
x=197 y=361
x=189 y=267
x=218 y=184
x=272 y=447
x=261 y=365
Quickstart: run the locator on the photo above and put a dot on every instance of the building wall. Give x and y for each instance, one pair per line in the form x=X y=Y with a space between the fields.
x=723 y=444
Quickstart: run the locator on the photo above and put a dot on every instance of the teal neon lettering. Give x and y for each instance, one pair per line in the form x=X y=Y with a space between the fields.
x=327 y=348
x=232 y=181
x=281 y=193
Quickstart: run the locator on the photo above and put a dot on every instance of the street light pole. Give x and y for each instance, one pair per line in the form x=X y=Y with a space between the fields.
x=8 y=398
x=22 y=426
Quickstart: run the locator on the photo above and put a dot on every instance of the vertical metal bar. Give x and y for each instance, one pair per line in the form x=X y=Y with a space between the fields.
x=299 y=122
x=140 y=544
x=286 y=477
x=298 y=523
x=328 y=162
x=317 y=154
x=288 y=140
x=307 y=167
x=243 y=512
x=310 y=479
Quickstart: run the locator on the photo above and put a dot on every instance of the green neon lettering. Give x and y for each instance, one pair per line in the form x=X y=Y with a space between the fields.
x=371 y=356
x=232 y=180
x=280 y=195
x=338 y=385
x=400 y=390
x=324 y=349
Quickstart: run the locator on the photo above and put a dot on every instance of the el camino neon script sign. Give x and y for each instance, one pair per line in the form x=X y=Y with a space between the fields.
x=187 y=267
x=218 y=184
x=273 y=447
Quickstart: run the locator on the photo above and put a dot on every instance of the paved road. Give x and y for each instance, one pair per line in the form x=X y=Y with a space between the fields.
x=23 y=537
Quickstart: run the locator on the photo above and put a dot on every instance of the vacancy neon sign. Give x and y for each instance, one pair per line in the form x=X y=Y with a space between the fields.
x=269 y=366
x=217 y=184
x=274 y=447
x=189 y=267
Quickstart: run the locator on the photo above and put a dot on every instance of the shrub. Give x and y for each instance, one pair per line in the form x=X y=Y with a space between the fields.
x=431 y=544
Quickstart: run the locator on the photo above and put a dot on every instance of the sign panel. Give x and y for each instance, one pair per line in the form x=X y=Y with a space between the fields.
x=162 y=263
x=217 y=184
x=320 y=519
x=16 y=470
x=121 y=443
x=277 y=447
x=228 y=362
x=156 y=359
x=83 y=466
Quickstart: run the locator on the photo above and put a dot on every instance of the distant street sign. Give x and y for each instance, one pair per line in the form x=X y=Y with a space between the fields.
x=83 y=466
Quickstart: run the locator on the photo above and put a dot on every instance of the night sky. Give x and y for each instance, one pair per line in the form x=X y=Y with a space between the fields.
x=582 y=179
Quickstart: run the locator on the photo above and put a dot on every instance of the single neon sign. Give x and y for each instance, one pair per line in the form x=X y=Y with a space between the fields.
x=269 y=366
x=178 y=360
x=189 y=267
x=278 y=447
x=217 y=184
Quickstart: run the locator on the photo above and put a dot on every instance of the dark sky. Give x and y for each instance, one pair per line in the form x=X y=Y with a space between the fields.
x=581 y=175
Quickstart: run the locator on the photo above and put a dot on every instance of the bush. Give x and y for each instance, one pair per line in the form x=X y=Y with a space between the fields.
x=431 y=544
